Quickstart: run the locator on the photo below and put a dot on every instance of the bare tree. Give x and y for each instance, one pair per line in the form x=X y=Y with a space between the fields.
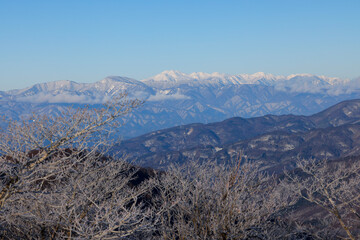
x=55 y=184
x=80 y=197
x=217 y=201
x=335 y=187
x=45 y=135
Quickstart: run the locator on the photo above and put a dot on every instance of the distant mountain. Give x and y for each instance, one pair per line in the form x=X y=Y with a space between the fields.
x=172 y=78
x=79 y=93
x=273 y=141
x=175 y=98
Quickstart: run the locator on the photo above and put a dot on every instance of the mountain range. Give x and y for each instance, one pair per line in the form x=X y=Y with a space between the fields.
x=272 y=141
x=175 y=98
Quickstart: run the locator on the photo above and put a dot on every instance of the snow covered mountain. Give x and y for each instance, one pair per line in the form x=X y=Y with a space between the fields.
x=175 y=98
x=72 y=92
x=172 y=78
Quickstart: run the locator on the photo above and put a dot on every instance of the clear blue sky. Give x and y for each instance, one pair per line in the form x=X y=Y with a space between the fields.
x=87 y=40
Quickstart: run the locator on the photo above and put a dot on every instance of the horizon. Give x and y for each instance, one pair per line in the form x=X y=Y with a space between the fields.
x=189 y=74
x=86 y=41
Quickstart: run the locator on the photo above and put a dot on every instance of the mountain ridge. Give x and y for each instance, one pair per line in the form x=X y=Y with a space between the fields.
x=272 y=140
x=177 y=76
x=172 y=103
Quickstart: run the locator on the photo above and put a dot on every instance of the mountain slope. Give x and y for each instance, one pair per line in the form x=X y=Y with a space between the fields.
x=344 y=112
x=174 y=98
x=274 y=141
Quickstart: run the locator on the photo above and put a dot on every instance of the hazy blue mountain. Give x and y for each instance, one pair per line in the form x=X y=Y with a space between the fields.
x=174 y=98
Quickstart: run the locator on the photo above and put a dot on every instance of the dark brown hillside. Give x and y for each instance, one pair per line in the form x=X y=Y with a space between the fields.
x=273 y=150
x=277 y=150
x=214 y=134
x=339 y=114
x=272 y=140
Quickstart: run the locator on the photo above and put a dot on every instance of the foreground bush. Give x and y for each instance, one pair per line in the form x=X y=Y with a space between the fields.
x=77 y=196
x=217 y=201
x=334 y=187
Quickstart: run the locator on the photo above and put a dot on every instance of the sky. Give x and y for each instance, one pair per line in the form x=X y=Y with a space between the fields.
x=87 y=40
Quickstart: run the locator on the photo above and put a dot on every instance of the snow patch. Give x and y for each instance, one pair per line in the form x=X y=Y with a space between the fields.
x=218 y=149
x=288 y=147
x=190 y=131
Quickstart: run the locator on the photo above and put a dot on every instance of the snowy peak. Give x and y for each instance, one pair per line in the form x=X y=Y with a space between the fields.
x=171 y=78
x=168 y=79
x=259 y=75
x=174 y=78
x=113 y=85
x=59 y=84
x=89 y=93
x=64 y=85
x=170 y=75
x=317 y=79
x=172 y=84
x=119 y=83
